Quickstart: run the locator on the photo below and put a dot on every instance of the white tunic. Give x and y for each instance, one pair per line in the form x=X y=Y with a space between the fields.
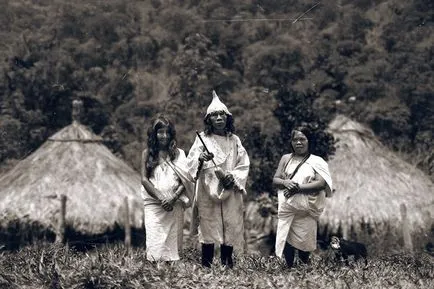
x=220 y=211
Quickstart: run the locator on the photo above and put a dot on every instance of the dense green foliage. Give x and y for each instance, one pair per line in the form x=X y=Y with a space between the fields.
x=130 y=59
x=52 y=266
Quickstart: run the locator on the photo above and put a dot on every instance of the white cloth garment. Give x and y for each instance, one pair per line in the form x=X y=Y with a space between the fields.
x=164 y=230
x=216 y=105
x=298 y=214
x=220 y=211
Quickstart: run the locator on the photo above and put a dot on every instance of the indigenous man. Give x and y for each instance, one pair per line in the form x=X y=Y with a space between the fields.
x=221 y=165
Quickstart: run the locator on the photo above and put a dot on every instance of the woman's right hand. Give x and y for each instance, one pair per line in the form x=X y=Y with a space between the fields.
x=167 y=204
x=205 y=156
x=290 y=185
x=287 y=193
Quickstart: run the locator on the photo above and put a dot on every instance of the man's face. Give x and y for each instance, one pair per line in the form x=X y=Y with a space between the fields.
x=218 y=120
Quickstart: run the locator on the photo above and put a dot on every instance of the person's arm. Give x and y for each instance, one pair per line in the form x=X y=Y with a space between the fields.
x=196 y=157
x=313 y=187
x=187 y=181
x=284 y=184
x=149 y=187
x=167 y=204
x=278 y=180
x=236 y=178
x=179 y=191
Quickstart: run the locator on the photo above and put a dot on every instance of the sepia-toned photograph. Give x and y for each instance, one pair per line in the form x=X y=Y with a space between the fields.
x=216 y=144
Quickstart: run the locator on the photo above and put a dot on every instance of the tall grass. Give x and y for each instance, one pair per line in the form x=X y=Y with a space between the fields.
x=45 y=265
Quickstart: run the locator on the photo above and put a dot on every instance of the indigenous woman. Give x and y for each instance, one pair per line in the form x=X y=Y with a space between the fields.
x=221 y=165
x=303 y=181
x=167 y=190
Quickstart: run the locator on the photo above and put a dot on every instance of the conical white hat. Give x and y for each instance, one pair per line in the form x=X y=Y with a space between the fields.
x=216 y=105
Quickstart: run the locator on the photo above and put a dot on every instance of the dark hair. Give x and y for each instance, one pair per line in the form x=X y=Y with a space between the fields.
x=230 y=128
x=151 y=160
x=307 y=132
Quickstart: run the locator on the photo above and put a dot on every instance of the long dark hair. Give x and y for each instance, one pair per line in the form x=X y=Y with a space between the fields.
x=229 y=129
x=151 y=160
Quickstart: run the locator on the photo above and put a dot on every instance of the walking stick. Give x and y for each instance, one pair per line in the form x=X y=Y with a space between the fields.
x=204 y=146
x=236 y=185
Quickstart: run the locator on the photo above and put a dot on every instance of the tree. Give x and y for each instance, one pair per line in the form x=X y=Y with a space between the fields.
x=293 y=109
x=296 y=109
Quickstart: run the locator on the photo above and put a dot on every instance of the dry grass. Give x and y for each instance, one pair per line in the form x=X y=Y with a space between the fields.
x=52 y=266
x=371 y=183
x=72 y=162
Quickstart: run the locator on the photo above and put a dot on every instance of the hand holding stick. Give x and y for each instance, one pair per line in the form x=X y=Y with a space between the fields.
x=227 y=179
x=201 y=160
x=210 y=155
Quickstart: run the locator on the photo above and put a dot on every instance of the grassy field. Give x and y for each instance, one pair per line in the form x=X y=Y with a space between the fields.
x=112 y=266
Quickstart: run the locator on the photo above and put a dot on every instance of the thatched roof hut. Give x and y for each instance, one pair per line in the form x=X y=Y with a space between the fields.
x=73 y=162
x=371 y=184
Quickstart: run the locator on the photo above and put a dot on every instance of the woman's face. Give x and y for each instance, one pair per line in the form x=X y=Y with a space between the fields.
x=163 y=137
x=299 y=143
x=218 y=120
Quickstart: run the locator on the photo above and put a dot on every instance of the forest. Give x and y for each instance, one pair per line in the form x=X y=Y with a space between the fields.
x=275 y=63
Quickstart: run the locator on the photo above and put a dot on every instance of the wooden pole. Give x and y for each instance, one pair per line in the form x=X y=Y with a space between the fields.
x=127 y=225
x=346 y=223
x=345 y=229
x=144 y=228
x=406 y=231
x=60 y=236
x=245 y=248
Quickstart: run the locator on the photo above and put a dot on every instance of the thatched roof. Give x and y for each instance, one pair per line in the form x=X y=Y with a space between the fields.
x=371 y=182
x=75 y=163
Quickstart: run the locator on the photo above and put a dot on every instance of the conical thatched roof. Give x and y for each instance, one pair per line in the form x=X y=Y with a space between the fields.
x=371 y=182
x=75 y=163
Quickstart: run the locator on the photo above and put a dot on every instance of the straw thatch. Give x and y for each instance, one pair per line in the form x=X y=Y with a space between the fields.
x=75 y=163
x=372 y=183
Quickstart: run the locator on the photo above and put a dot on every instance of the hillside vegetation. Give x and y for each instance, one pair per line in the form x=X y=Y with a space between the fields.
x=271 y=64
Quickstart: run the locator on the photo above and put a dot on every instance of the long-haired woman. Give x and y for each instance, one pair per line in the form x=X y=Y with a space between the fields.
x=167 y=190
